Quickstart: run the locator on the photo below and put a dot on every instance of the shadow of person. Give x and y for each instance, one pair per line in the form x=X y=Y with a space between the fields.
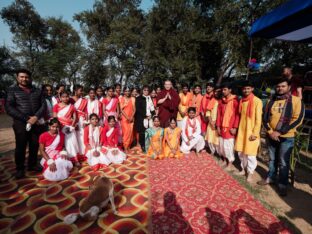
x=217 y=223
x=171 y=220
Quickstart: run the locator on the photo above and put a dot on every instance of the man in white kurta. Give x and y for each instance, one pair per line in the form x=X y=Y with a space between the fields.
x=191 y=133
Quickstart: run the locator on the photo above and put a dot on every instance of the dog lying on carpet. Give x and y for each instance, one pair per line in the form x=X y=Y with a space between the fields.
x=102 y=192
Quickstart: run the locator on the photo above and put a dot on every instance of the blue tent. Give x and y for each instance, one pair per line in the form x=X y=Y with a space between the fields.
x=291 y=21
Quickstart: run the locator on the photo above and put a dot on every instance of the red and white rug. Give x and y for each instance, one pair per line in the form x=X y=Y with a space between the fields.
x=194 y=195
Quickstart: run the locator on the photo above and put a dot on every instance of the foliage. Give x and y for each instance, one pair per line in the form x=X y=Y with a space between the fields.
x=50 y=48
x=186 y=40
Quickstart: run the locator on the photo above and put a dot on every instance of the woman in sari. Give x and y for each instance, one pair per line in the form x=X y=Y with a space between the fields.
x=127 y=108
x=92 y=133
x=153 y=140
x=80 y=106
x=99 y=93
x=66 y=114
x=109 y=140
x=56 y=164
x=171 y=142
x=154 y=100
x=94 y=106
x=111 y=108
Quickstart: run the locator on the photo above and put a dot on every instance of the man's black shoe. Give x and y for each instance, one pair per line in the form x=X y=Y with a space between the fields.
x=20 y=174
x=35 y=169
x=282 y=192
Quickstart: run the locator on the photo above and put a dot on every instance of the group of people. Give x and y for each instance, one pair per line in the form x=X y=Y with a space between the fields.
x=103 y=126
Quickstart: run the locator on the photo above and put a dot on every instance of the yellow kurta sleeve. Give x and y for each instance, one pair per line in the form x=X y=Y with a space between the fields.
x=258 y=117
x=214 y=112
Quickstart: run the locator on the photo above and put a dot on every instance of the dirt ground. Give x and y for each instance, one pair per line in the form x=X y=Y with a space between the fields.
x=296 y=207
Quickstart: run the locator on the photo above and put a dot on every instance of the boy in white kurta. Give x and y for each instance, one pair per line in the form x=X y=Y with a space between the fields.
x=191 y=133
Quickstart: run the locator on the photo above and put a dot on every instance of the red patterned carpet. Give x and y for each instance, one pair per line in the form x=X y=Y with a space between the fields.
x=34 y=205
x=191 y=195
x=194 y=195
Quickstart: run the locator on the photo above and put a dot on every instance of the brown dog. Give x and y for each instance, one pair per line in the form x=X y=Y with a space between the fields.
x=102 y=192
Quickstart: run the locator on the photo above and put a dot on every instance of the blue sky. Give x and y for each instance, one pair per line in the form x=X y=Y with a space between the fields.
x=64 y=8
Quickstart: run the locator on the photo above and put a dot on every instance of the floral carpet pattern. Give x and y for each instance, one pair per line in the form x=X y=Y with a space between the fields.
x=194 y=195
x=35 y=205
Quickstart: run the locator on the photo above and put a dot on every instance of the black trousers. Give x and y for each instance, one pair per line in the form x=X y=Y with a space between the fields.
x=142 y=140
x=24 y=138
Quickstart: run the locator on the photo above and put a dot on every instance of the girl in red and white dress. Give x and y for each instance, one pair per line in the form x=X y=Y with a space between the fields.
x=80 y=106
x=56 y=164
x=109 y=140
x=94 y=106
x=99 y=93
x=92 y=134
x=111 y=108
x=66 y=114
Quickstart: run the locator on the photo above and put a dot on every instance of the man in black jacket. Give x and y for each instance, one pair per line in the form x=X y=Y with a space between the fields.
x=26 y=105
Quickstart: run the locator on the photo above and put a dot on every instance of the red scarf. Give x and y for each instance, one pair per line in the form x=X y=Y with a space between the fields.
x=188 y=123
x=250 y=107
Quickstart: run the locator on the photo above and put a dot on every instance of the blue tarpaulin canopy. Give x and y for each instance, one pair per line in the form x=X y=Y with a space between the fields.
x=291 y=21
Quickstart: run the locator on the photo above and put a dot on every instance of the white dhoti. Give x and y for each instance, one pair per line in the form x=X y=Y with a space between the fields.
x=227 y=148
x=248 y=162
x=213 y=148
x=197 y=143
x=191 y=127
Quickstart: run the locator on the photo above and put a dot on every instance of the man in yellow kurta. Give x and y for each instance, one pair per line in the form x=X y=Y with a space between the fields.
x=211 y=108
x=248 y=136
x=185 y=102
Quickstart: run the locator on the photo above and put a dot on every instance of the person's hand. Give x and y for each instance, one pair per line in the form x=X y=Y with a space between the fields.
x=275 y=136
x=115 y=152
x=173 y=151
x=52 y=167
x=32 y=120
x=188 y=143
x=213 y=125
x=252 y=138
x=233 y=131
x=64 y=157
x=96 y=153
x=169 y=96
x=219 y=131
x=148 y=117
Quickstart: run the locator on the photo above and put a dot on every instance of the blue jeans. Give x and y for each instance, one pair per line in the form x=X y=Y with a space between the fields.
x=280 y=152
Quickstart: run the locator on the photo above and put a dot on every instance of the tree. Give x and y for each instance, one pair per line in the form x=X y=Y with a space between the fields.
x=114 y=32
x=50 y=48
x=8 y=65
x=62 y=58
x=28 y=30
x=176 y=43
